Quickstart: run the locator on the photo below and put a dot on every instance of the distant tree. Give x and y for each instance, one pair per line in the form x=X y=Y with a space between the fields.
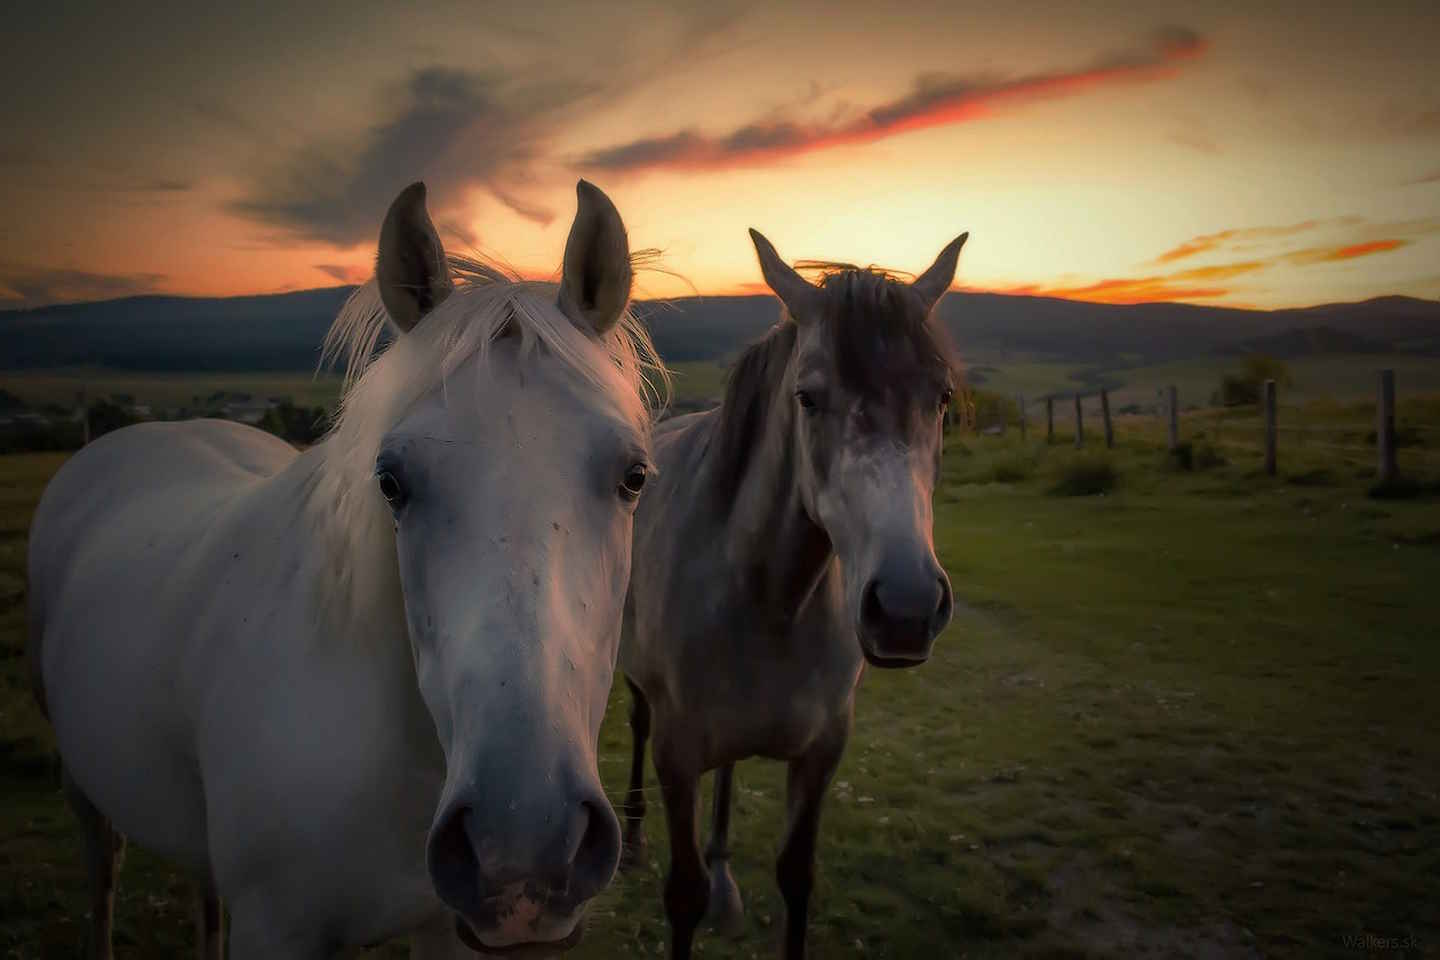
x=1243 y=389
x=1259 y=368
x=106 y=415
x=299 y=425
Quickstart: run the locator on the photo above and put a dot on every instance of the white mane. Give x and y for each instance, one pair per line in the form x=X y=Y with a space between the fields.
x=379 y=387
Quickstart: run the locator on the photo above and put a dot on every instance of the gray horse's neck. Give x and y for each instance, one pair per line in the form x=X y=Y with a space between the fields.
x=779 y=552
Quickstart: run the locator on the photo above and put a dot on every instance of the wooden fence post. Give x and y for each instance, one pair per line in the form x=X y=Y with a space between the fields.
x=1050 y=419
x=1385 y=429
x=1079 y=424
x=1270 y=428
x=1020 y=401
x=1105 y=412
x=1174 y=398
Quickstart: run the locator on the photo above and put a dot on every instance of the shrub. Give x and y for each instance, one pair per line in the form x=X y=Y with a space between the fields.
x=1012 y=468
x=302 y=425
x=1404 y=437
x=1243 y=389
x=1318 y=477
x=1194 y=455
x=1401 y=488
x=1085 y=475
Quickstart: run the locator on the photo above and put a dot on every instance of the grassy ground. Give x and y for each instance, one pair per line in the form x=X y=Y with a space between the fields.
x=1194 y=716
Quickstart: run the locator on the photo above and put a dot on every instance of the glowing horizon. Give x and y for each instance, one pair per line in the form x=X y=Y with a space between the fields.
x=1156 y=154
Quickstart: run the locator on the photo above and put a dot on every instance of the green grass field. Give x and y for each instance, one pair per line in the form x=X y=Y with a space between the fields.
x=1193 y=716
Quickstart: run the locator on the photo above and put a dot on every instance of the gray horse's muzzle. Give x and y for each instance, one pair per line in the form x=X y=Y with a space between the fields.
x=903 y=608
x=518 y=865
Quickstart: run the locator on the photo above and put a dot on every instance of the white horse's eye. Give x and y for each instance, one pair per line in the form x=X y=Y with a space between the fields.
x=390 y=488
x=634 y=481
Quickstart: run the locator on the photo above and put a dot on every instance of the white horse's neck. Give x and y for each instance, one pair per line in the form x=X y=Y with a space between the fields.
x=347 y=548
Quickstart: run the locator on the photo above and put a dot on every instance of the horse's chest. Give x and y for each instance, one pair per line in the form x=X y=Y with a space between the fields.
x=776 y=707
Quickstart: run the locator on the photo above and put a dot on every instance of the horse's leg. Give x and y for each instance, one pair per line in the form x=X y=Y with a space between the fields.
x=809 y=776
x=209 y=923
x=633 y=851
x=726 y=912
x=686 y=887
x=104 y=849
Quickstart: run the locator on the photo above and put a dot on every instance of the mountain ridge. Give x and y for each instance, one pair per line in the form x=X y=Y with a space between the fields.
x=283 y=331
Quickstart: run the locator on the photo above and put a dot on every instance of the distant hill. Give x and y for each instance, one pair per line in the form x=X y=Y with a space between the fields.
x=1309 y=341
x=284 y=331
x=275 y=332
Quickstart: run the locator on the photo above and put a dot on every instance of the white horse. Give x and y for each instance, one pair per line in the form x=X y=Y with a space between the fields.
x=357 y=690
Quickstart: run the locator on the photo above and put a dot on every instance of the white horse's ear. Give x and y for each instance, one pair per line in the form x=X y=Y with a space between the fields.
x=595 y=285
x=410 y=268
x=799 y=295
x=933 y=283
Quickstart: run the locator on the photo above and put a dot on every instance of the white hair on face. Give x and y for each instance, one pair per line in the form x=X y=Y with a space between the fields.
x=380 y=387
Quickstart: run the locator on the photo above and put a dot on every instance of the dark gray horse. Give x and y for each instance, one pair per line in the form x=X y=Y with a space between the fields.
x=786 y=540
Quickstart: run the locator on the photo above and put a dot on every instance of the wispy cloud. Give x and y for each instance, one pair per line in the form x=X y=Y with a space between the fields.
x=1209 y=242
x=1211 y=282
x=23 y=285
x=936 y=99
x=344 y=273
x=1198 y=283
x=1347 y=252
x=1360 y=238
x=336 y=194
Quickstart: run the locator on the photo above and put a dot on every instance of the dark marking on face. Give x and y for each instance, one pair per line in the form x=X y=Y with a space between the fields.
x=878 y=366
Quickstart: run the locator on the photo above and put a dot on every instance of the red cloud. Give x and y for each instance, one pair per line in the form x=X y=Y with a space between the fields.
x=1331 y=254
x=1121 y=290
x=936 y=100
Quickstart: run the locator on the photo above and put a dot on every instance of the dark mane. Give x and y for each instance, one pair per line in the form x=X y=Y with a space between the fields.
x=883 y=341
x=879 y=328
x=749 y=391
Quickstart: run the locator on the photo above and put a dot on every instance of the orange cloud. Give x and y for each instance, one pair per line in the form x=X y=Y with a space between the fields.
x=1213 y=241
x=936 y=100
x=1350 y=252
x=1120 y=290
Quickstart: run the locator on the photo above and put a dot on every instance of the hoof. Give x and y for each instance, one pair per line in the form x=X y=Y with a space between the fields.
x=725 y=913
x=632 y=853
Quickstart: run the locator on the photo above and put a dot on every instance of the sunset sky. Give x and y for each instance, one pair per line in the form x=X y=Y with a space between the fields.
x=1230 y=153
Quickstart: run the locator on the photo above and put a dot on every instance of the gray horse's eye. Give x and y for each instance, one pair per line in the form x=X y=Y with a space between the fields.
x=390 y=488
x=806 y=398
x=634 y=481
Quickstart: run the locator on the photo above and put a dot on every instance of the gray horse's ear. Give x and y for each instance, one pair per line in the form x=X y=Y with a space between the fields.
x=595 y=285
x=410 y=268
x=798 y=295
x=932 y=284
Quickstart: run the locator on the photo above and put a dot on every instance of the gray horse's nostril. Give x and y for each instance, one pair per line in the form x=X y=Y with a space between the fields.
x=598 y=852
x=871 y=611
x=454 y=866
x=945 y=608
x=571 y=864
